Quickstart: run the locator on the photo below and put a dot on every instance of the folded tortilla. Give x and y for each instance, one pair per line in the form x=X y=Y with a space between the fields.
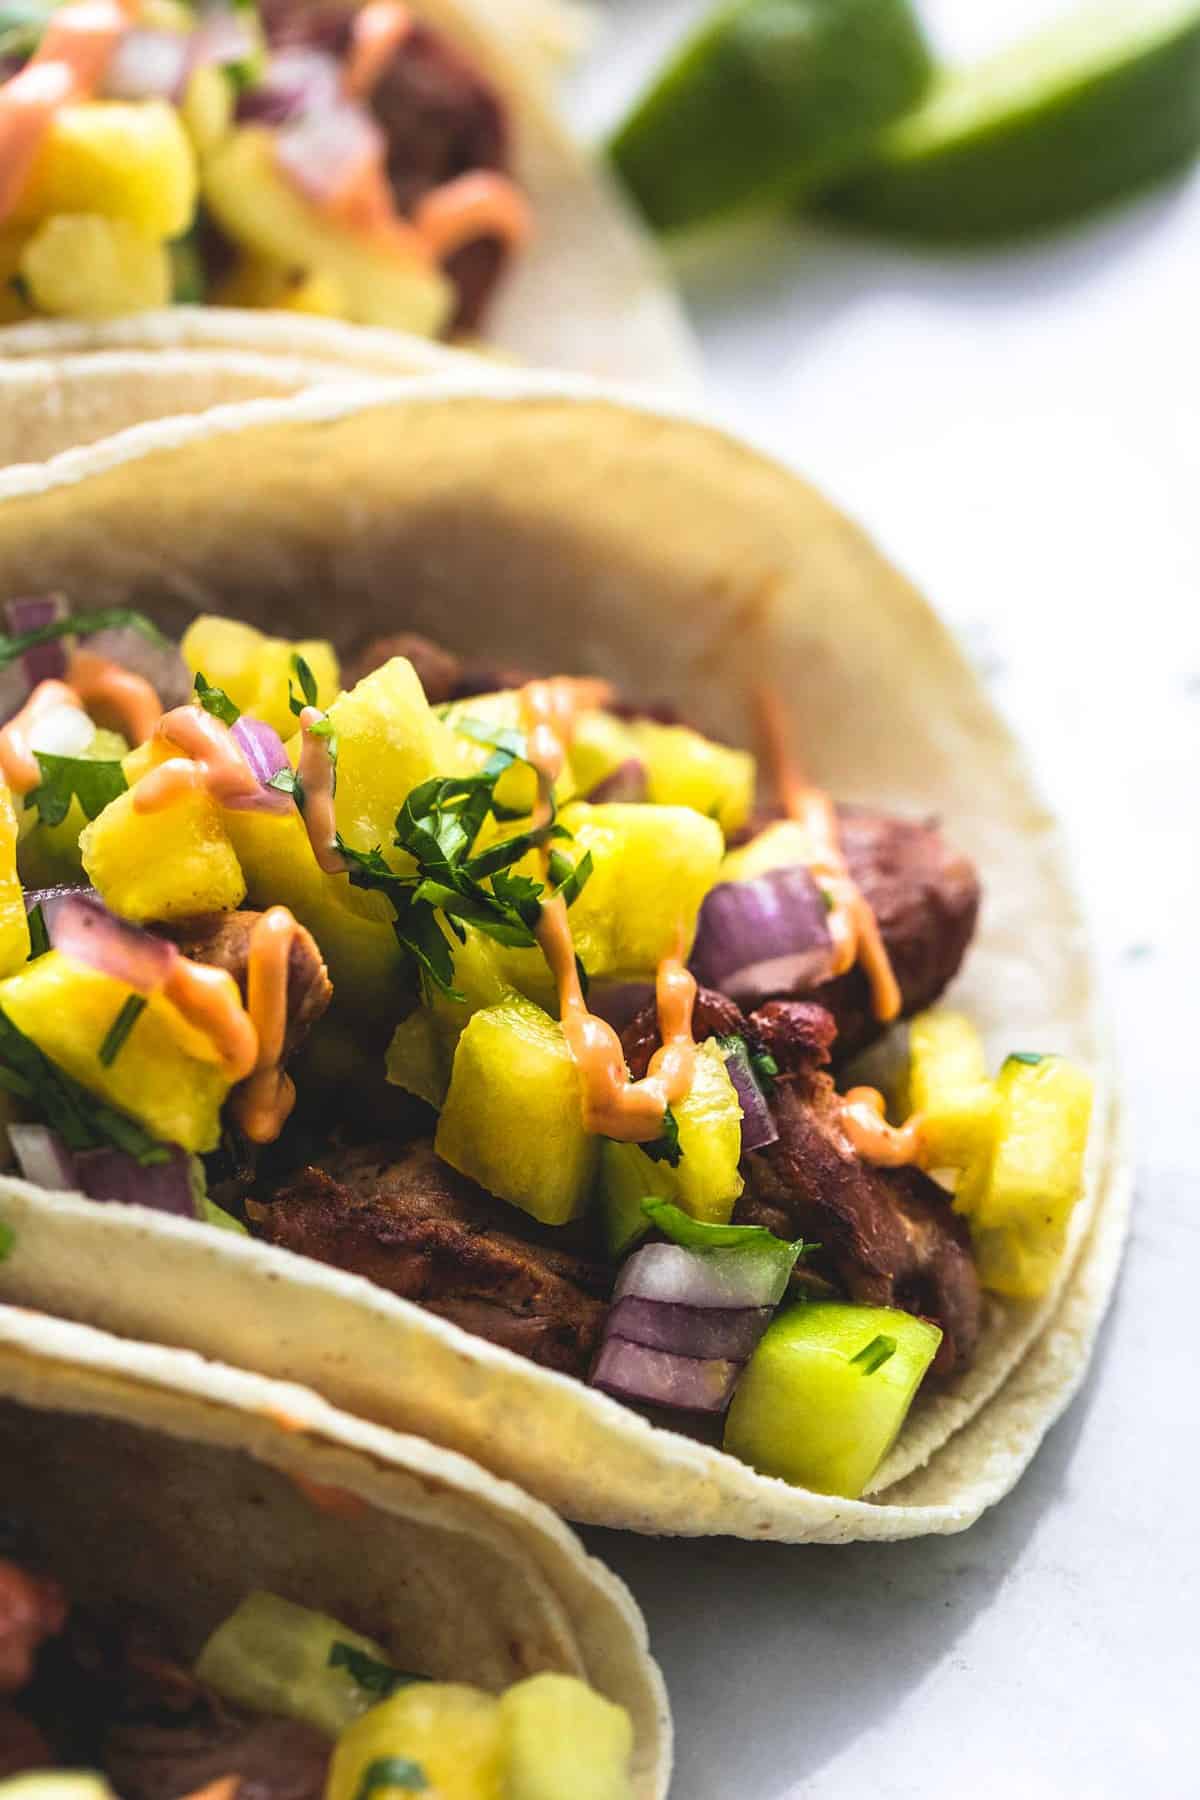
x=587 y=293
x=148 y=1479
x=529 y=519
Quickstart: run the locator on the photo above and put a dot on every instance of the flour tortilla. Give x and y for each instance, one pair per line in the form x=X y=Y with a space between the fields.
x=529 y=519
x=149 y=1478
x=588 y=293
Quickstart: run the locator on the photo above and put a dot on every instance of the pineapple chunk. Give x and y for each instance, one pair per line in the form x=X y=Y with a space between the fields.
x=513 y=1118
x=259 y=283
x=601 y=743
x=561 y=1738
x=14 y=922
x=444 y=1738
x=207 y=110
x=390 y=741
x=128 y=160
x=168 y=864
x=254 y=669
x=517 y=787
x=166 y=1074
x=706 y=1182
x=686 y=769
x=949 y=1087
x=84 y=266
x=274 y=1656
x=783 y=845
x=255 y=206
x=421 y=1054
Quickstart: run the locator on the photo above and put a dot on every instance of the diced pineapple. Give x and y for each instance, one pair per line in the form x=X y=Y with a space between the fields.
x=128 y=160
x=207 y=109
x=706 y=1182
x=653 y=866
x=948 y=1085
x=686 y=769
x=84 y=266
x=254 y=669
x=166 y=1073
x=563 y=1739
x=14 y=922
x=421 y=1054
x=439 y=1736
x=783 y=845
x=513 y=1117
x=501 y=711
x=167 y=864
x=254 y=205
x=390 y=740
x=257 y=282
x=601 y=743
x=273 y=1656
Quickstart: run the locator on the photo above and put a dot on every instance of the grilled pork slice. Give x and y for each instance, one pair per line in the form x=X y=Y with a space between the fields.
x=403 y=1219
x=262 y=1759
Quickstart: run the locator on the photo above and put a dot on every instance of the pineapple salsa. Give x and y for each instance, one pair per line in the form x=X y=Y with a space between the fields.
x=518 y=1002
x=154 y=151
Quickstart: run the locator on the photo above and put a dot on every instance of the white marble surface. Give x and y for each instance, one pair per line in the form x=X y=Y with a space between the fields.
x=1023 y=433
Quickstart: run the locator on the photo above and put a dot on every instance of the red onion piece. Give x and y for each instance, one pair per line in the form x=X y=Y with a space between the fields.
x=655 y=1377
x=114 y=1175
x=263 y=749
x=159 y=664
x=295 y=81
x=758 y=1123
x=628 y=782
x=85 y=930
x=619 y=1002
x=45 y=662
x=703 y=1331
x=42 y=1157
x=728 y=1279
x=225 y=35
x=321 y=151
x=769 y=935
x=149 y=65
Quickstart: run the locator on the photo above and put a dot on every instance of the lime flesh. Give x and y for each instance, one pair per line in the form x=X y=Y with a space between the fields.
x=768 y=98
x=1093 y=109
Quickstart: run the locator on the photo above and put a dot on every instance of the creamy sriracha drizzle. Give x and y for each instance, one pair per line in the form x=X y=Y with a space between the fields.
x=317 y=780
x=267 y=1099
x=613 y=1105
x=92 y=681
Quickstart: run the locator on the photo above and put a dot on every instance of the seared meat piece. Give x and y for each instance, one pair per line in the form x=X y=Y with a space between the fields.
x=32 y=1609
x=267 y=1759
x=223 y=941
x=715 y=1015
x=888 y=1237
x=443 y=675
x=410 y=1224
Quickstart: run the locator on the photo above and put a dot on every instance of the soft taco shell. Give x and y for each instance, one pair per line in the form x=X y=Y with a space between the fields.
x=524 y=519
x=148 y=1478
x=587 y=293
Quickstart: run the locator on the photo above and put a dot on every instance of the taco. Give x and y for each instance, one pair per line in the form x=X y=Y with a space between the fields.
x=211 y=1582
x=607 y=1159
x=317 y=161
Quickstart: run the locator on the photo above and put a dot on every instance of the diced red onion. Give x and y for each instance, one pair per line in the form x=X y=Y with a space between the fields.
x=42 y=1157
x=758 y=1122
x=702 y=1331
x=296 y=80
x=619 y=1002
x=321 y=151
x=114 y=1175
x=729 y=1279
x=51 y=899
x=263 y=749
x=45 y=662
x=769 y=935
x=655 y=1377
x=159 y=664
x=84 y=930
x=149 y=65
x=629 y=782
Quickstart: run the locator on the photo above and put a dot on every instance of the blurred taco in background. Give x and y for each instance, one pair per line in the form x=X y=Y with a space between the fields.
x=389 y=165
x=214 y=1583
x=449 y=1008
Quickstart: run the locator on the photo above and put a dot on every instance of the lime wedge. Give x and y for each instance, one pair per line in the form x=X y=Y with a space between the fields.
x=768 y=98
x=1094 y=108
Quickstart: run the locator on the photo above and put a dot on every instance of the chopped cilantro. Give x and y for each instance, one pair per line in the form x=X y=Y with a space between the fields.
x=39 y=937
x=371 y=1675
x=585 y=980
x=108 y=618
x=67 y=778
x=872 y=1356
x=287 y=781
x=666 y=1146
x=119 y=1030
x=698 y=1234
x=392 y=1772
x=764 y=1065
x=8 y=1238
x=216 y=701
x=1030 y=1057
x=308 y=686
x=81 y=1120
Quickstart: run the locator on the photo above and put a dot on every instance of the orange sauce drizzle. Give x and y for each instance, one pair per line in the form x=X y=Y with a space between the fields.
x=339 y=1502
x=480 y=204
x=68 y=64
x=224 y=1788
x=209 y=1000
x=212 y=759
x=613 y=1105
x=889 y=1146
x=266 y=1101
x=317 y=780
x=18 y=764
x=379 y=29
x=117 y=693
x=852 y=922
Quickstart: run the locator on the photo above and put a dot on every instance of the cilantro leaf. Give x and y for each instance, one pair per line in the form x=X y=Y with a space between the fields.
x=308 y=686
x=570 y=879
x=392 y=1772
x=67 y=778
x=698 y=1234
x=39 y=937
x=216 y=701
x=287 y=781
x=81 y=1120
x=872 y=1356
x=666 y=1147
x=119 y=1030
x=107 y=618
x=1031 y=1058
x=8 y=1238
x=371 y=1675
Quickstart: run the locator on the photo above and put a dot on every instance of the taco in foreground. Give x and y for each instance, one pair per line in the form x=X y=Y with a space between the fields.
x=536 y=1046
x=386 y=165
x=211 y=1582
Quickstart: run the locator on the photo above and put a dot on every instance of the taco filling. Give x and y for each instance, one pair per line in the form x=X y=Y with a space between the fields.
x=317 y=159
x=282 y=1703
x=527 y=1006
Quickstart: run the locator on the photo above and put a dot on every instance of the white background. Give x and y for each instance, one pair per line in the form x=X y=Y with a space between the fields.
x=1021 y=432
